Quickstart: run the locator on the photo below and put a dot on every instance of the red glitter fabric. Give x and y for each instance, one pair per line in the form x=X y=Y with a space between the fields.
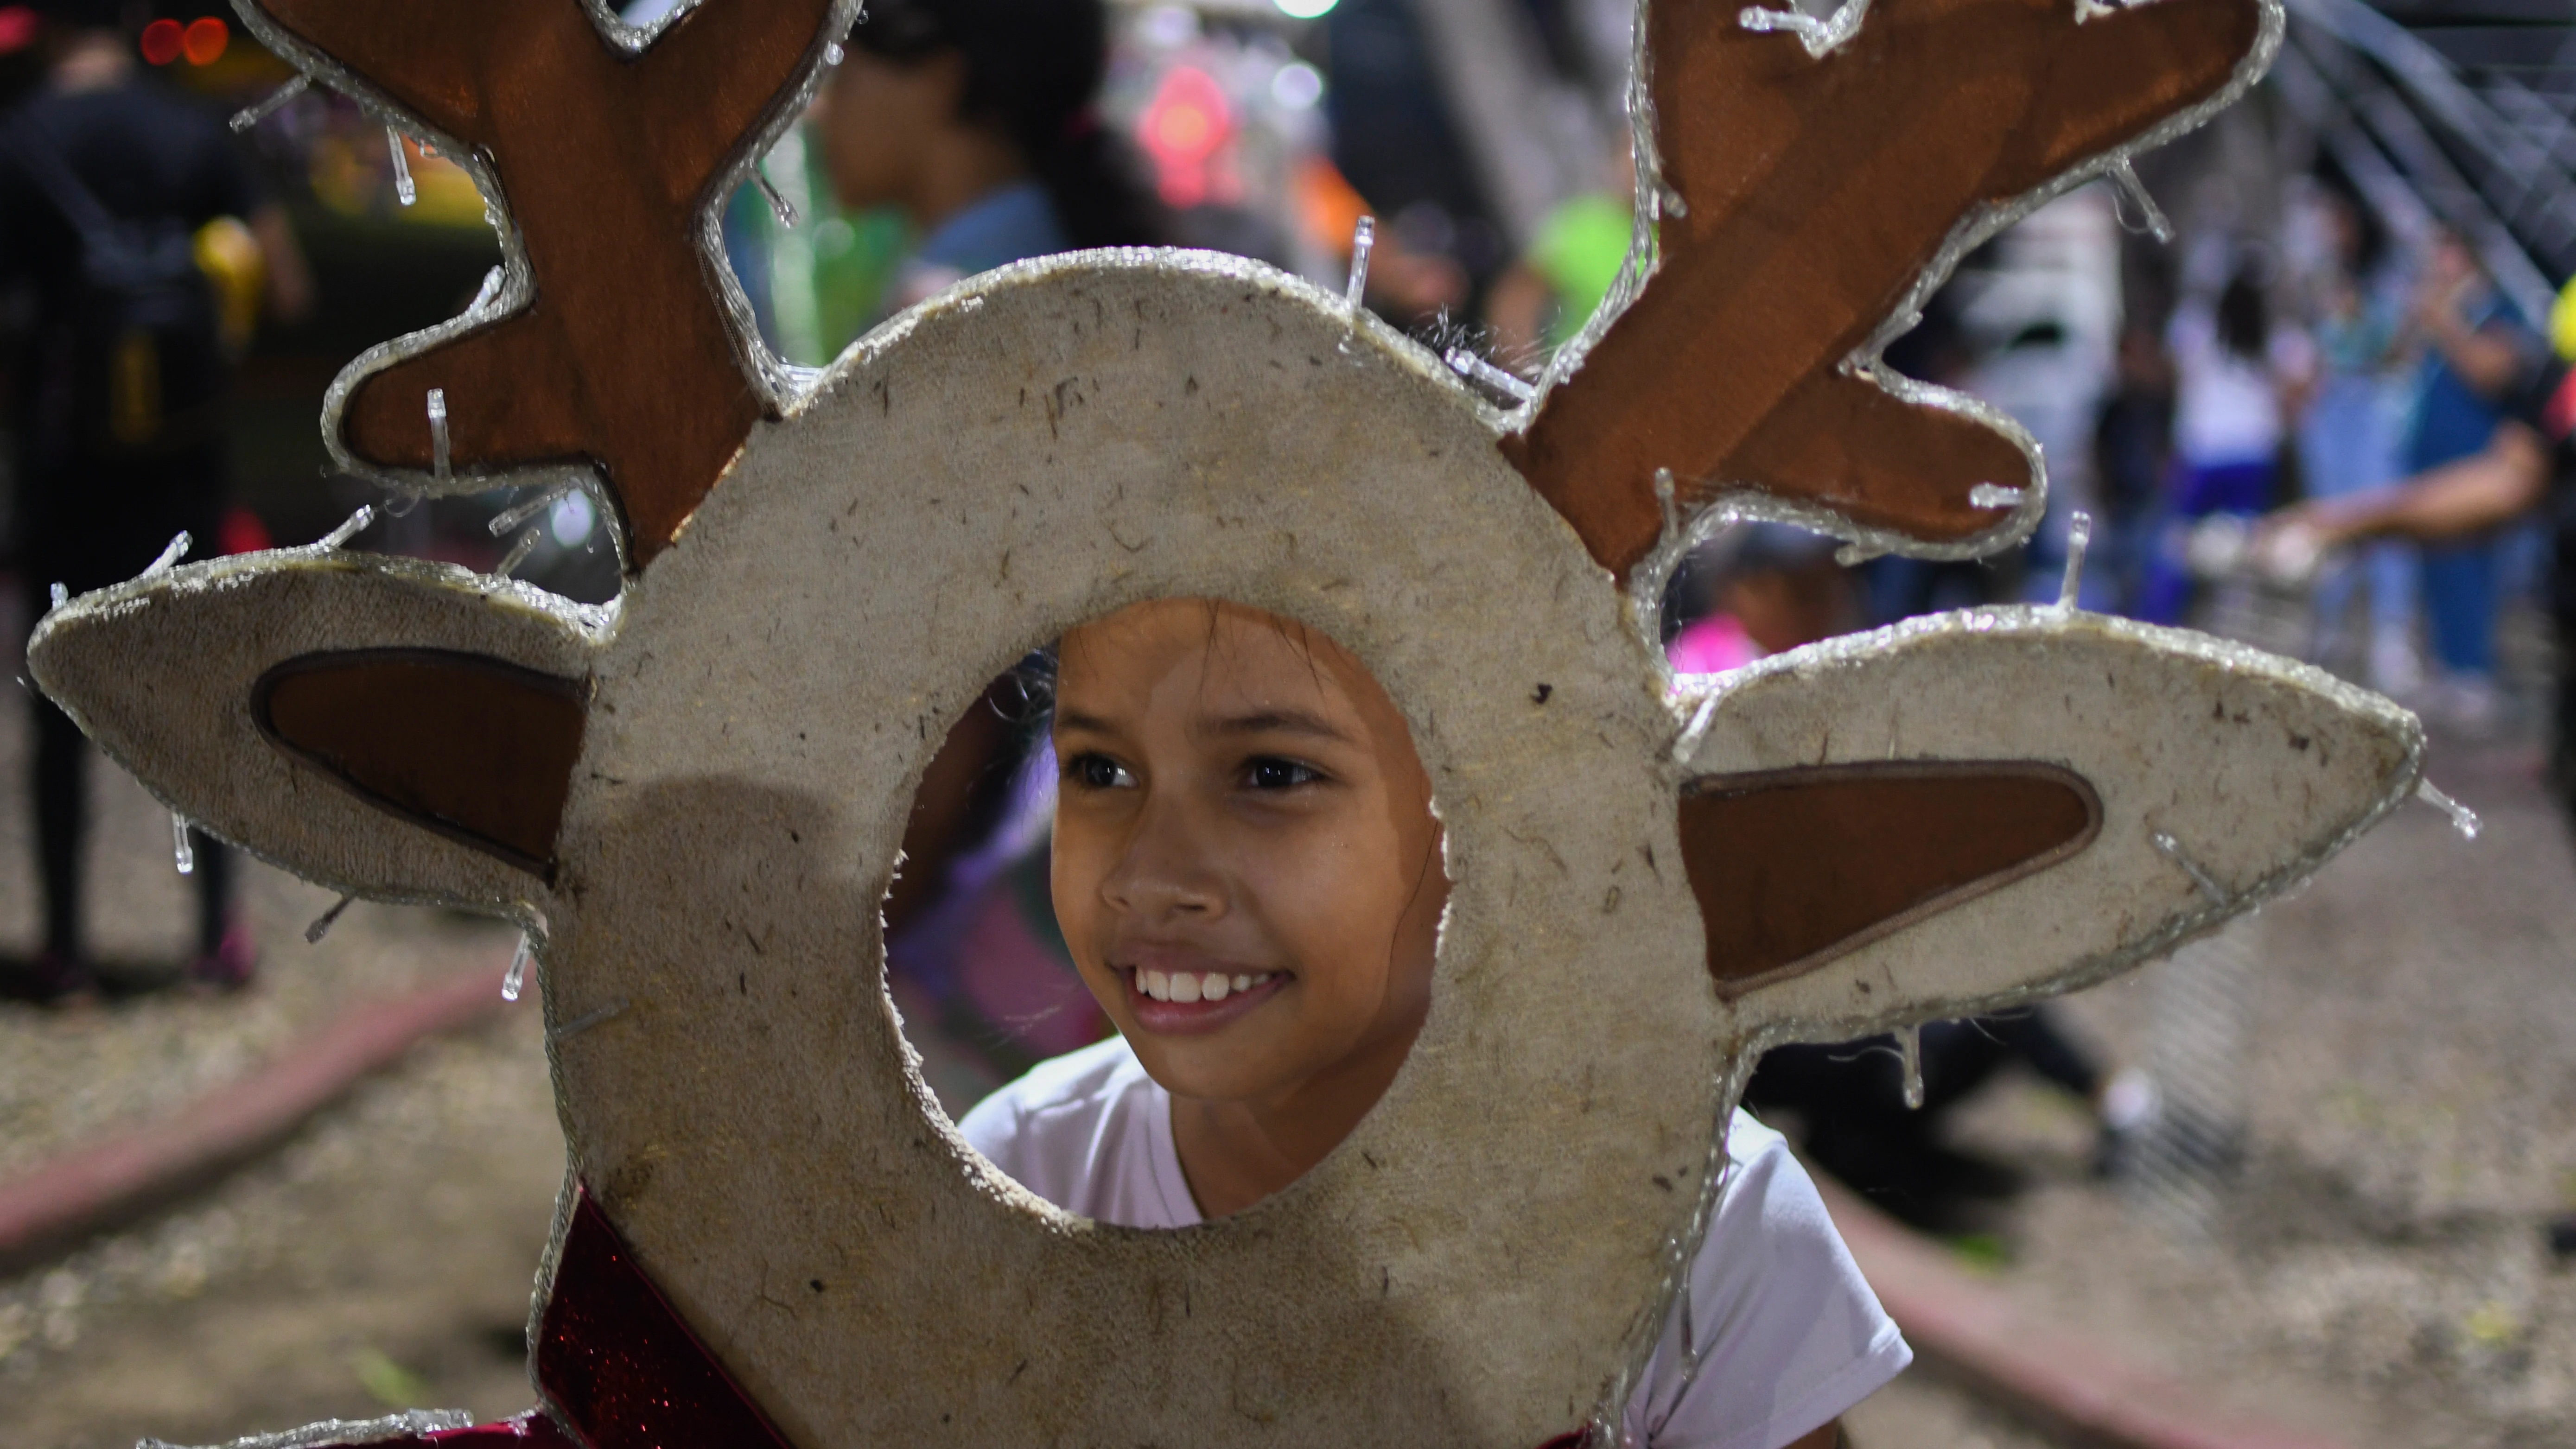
x=617 y=1364
x=621 y=1367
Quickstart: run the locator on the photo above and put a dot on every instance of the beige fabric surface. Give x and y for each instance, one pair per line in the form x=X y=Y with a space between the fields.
x=1474 y=1265
x=1484 y=1260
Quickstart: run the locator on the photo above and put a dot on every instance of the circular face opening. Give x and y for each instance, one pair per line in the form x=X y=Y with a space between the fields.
x=1168 y=918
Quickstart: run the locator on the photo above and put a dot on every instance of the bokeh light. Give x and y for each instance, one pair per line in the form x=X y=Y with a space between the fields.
x=18 y=27
x=1298 y=86
x=205 y=39
x=162 y=41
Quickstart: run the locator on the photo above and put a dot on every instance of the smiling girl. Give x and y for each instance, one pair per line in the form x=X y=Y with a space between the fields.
x=1247 y=872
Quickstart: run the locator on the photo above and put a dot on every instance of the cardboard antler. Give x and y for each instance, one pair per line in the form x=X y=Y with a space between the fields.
x=1819 y=195
x=609 y=162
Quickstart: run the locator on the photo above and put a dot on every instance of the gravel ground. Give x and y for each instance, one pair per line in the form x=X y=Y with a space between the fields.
x=66 y=1076
x=2379 y=1266
x=384 y=1259
x=1924 y=1410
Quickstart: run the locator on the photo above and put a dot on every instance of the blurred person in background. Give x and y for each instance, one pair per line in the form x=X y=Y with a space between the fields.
x=2527 y=466
x=2472 y=353
x=2234 y=374
x=2132 y=450
x=1758 y=590
x=2348 y=434
x=1852 y=1119
x=147 y=246
x=978 y=119
x=1410 y=286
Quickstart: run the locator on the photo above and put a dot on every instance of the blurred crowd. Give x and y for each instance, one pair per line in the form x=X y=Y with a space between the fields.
x=2327 y=360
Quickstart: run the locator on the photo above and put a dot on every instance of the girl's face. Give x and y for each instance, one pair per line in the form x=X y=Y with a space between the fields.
x=1245 y=865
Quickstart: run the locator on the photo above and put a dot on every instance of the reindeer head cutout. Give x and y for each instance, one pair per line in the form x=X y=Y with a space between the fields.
x=695 y=796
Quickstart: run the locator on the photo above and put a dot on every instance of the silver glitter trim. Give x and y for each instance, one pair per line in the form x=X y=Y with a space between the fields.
x=410 y=1423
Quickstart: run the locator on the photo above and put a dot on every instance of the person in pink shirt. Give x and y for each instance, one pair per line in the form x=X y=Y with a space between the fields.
x=1759 y=590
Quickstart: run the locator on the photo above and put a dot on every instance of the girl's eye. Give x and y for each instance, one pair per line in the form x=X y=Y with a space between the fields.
x=1098 y=772
x=1272 y=773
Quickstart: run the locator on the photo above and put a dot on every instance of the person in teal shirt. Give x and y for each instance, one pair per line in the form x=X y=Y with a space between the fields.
x=2473 y=347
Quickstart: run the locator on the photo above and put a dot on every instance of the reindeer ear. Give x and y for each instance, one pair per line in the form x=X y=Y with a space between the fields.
x=474 y=748
x=1872 y=841
x=1795 y=867
x=390 y=728
x=1821 y=194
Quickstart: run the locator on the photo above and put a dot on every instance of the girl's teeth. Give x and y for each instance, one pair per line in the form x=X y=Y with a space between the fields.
x=1190 y=986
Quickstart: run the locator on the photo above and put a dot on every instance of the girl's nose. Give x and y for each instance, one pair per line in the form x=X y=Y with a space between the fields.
x=1165 y=871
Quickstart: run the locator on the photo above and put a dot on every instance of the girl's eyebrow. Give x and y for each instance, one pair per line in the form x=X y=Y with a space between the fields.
x=1074 y=719
x=1278 y=721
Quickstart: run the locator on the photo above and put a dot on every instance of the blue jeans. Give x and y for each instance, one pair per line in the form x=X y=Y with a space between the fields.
x=2460 y=589
x=2197 y=492
x=2348 y=444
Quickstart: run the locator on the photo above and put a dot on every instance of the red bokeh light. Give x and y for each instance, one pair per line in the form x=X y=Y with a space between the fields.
x=162 y=41
x=1184 y=129
x=18 y=26
x=205 y=39
x=242 y=532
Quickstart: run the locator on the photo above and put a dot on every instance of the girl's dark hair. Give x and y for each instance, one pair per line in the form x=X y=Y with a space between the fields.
x=2244 y=319
x=1033 y=68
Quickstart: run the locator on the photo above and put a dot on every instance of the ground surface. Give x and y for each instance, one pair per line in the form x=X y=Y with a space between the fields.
x=2377 y=1271
x=395 y=1238
x=2380 y=1267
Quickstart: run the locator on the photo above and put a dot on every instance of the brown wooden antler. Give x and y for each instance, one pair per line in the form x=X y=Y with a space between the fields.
x=1817 y=190
x=607 y=162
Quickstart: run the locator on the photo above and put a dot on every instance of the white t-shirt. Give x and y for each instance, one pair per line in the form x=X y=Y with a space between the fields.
x=1789 y=1334
x=2227 y=410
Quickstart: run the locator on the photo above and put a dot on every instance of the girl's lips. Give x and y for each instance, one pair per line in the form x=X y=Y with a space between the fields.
x=1194 y=1018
